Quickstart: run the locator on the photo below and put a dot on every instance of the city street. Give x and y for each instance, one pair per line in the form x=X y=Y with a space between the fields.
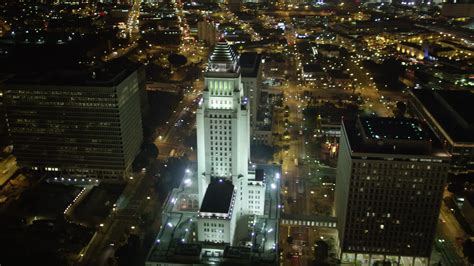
x=180 y=124
x=124 y=219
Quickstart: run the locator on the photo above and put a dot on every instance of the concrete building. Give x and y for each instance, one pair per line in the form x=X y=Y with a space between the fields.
x=76 y=124
x=449 y=115
x=251 y=69
x=207 y=32
x=223 y=135
x=390 y=179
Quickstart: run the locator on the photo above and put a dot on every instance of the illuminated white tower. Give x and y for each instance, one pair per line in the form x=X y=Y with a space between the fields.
x=223 y=131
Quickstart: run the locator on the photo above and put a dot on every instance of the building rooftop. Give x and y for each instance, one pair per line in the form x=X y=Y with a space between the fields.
x=312 y=68
x=413 y=45
x=390 y=128
x=222 y=53
x=452 y=110
x=106 y=75
x=218 y=197
x=388 y=135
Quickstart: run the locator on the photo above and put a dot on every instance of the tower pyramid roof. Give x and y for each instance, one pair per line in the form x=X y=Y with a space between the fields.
x=222 y=54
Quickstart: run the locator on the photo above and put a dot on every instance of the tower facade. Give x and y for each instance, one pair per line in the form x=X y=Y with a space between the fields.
x=222 y=122
x=227 y=189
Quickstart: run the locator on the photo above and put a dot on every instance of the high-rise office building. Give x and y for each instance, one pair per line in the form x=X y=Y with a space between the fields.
x=251 y=69
x=207 y=32
x=77 y=124
x=390 y=178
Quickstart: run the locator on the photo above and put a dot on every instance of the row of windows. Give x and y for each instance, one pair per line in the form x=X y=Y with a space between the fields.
x=212 y=237
x=222 y=102
x=387 y=175
x=55 y=104
x=220 y=133
x=220 y=121
x=225 y=154
x=254 y=197
x=221 y=164
x=397 y=183
x=221 y=158
x=221 y=138
x=221 y=148
x=214 y=224
x=214 y=230
x=219 y=116
x=252 y=202
x=358 y=165
x=70 y=92
x=220 y=143
x=219 y=127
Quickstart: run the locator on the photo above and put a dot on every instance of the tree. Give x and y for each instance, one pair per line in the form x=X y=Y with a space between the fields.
x=177 y=60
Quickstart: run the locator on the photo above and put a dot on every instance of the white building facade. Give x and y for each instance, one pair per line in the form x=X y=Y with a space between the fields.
x=223 y=147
